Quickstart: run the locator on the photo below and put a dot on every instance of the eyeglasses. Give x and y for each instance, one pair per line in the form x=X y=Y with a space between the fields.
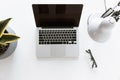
x=94 y=64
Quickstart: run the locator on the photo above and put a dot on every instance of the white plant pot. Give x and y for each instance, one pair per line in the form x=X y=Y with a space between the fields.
x=11 y=48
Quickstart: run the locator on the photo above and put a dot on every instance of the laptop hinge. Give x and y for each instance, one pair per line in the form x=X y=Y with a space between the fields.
x=75 y=27
x=58 y=28
x=39 y=27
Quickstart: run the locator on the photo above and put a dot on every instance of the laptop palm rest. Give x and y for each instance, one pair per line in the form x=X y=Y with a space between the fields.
x=57 y=51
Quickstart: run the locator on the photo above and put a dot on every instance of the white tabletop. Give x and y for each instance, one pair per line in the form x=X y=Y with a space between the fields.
x=24 y=65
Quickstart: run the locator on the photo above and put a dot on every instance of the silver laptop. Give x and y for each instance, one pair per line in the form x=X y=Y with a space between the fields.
x=57 y=29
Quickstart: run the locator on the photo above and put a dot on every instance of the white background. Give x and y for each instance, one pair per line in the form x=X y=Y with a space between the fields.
x=24 y=65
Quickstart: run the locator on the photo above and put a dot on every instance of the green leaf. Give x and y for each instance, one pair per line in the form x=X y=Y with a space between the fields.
x=3 y=25
x=8 y=38
x=3 y=44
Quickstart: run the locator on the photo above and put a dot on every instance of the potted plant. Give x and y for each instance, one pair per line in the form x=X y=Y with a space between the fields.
x=8 y=39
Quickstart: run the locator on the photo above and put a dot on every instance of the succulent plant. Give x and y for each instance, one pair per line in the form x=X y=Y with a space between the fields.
x=6 y=38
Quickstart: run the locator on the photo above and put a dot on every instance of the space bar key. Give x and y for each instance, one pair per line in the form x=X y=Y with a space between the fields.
x=56 y=42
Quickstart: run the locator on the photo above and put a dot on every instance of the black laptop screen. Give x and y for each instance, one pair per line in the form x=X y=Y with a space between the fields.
x=57 y=15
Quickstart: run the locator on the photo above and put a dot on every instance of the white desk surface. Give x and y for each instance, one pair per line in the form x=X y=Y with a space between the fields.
x=23 y=64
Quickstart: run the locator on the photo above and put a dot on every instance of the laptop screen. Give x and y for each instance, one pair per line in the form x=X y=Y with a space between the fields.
x=57 y=15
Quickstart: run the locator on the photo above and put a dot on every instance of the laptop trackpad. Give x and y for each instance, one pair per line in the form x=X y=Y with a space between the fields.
x=57 y=51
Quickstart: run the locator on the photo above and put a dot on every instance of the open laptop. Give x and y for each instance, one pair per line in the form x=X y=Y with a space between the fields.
x=57 y=29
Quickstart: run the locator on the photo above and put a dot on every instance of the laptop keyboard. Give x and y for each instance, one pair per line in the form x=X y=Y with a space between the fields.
x=57 y=36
